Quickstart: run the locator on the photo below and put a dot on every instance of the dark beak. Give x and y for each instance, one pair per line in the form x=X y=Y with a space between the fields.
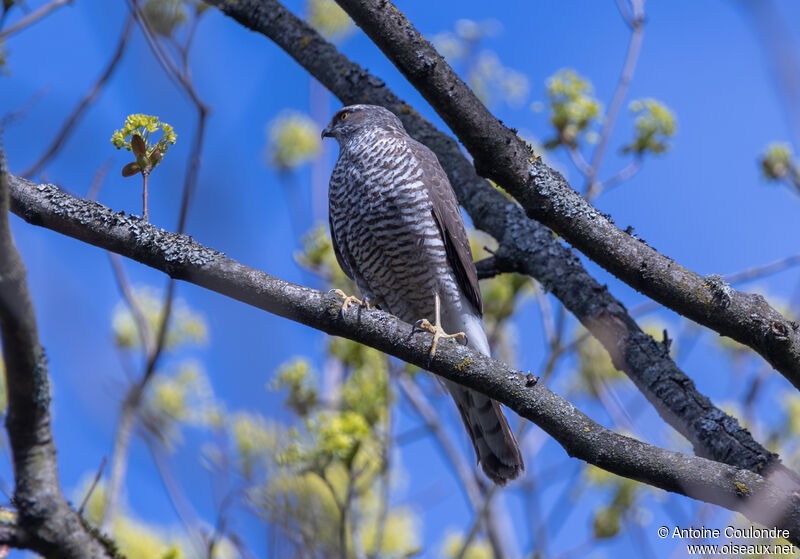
x=326 y=133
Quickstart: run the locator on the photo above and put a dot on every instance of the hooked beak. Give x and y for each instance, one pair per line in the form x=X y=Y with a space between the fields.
x=326 y=133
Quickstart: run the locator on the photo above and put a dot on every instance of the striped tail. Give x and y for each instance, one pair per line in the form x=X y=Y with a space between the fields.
x=495 y=445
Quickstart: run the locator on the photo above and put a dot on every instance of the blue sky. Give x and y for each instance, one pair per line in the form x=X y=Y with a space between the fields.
x=703 y=203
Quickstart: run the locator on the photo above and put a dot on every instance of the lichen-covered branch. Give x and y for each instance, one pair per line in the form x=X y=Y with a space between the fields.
x=526 y=246
x=499 y=154
x=45 y=521
x=762 y=499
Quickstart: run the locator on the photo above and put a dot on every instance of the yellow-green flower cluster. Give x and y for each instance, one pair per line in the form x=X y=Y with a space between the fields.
x=341 y=435
x=608 y=519
x=186 y=326
x=331 y=21
x=297 y=377
x=572 y=106
x=292 y=139
x=144 y=125
x=165 y=16
x=365 y=389
x=182 y=399
x=655 y=124
x=776 y=162
x=253 y=439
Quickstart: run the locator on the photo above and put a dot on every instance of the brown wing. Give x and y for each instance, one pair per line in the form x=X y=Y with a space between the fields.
x=451 y=226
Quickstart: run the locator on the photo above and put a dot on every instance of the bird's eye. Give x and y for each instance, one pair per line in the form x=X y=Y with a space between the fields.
x=343 y=116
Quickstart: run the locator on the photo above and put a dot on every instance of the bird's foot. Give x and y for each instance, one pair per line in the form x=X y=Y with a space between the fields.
x=438 y=334
x=350 y=300
x=437 y=331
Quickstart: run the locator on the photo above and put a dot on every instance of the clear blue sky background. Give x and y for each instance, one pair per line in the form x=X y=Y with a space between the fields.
x=703 y=204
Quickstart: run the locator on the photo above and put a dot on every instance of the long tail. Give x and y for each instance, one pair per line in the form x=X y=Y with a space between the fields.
x=495 y=445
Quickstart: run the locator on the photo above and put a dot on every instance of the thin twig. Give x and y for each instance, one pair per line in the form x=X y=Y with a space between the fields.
x=465 y=474
x=99 y=177
x=92 y=487
x=578 y=160
x=12 y=117
x=179 y=502
x=621 y=176
x=32 y=18
x=386 y=453
x=130 y=299
x=628 y=69
x=480 y=519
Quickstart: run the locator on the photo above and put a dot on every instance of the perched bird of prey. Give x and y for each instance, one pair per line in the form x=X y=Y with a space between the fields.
x=397 y=232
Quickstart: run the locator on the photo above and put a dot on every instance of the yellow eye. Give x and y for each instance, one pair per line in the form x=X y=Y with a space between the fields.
x=343 y=116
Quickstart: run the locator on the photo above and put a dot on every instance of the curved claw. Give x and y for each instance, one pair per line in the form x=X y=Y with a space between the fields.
x=348 y=300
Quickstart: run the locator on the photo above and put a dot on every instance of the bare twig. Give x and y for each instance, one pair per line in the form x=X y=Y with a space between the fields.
x=466 y=475
x=621 y=176
x=628 y=69
x=176 y=497
x=130 y=299
x=32 y=18
x=92 y=487
x=99 y=177
x=578 y=160
x=386 y=454
x=480 y=518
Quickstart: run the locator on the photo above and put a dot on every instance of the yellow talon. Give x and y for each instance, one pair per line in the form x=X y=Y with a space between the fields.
x=437 y=330
x=349 y=300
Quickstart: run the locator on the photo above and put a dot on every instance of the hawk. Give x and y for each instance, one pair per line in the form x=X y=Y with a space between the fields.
x=397 y=233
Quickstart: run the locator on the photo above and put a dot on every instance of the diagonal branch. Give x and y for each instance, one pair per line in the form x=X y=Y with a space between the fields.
x=32 y=18
x=499 y=154
x=46 y=523
x=525 y=245
x=762 y=499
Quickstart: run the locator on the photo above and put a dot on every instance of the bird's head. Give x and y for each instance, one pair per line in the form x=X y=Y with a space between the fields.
x=354 y=119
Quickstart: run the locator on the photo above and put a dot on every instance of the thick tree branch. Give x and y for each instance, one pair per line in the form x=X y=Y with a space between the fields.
x=499 y=154
x=45 y=522
x=760 y=498
x=525 y=245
